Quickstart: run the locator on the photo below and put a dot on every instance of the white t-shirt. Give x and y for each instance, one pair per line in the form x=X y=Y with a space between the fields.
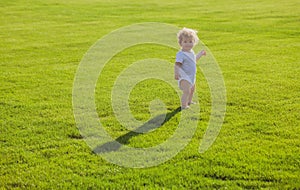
x=188 y=66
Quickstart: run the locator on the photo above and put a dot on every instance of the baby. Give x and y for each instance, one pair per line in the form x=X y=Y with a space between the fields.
x=185 y=66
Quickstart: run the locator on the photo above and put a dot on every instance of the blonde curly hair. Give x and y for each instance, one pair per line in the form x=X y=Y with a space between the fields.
x=187 y=33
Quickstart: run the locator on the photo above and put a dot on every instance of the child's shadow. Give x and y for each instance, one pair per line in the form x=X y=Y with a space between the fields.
x=148 y=126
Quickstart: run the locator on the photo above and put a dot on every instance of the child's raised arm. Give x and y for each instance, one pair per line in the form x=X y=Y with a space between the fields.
x=200 y=54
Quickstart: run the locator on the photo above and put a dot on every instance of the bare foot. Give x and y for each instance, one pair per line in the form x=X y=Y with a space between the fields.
x=187 y=107
x=191 y=103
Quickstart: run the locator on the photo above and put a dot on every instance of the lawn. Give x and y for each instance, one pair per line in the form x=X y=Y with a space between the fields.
x=255 y=43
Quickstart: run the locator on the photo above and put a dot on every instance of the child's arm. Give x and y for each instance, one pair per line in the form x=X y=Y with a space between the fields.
x=200 y=54
x=176 y=70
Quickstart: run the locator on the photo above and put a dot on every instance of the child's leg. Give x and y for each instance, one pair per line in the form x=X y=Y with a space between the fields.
x=186 y=89
x=191 y=94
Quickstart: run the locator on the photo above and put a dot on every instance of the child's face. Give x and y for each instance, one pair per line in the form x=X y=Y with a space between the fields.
x=187 y=44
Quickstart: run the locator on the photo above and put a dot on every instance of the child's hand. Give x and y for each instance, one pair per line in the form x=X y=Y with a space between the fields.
x=202 y=53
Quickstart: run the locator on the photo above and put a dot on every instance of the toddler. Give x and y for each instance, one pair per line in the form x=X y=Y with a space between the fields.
x=185 y=66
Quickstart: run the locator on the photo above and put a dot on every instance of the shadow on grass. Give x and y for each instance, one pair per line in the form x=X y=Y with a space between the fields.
x=153 y=123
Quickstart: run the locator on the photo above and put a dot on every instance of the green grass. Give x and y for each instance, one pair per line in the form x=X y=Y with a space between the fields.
x=256 y=44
